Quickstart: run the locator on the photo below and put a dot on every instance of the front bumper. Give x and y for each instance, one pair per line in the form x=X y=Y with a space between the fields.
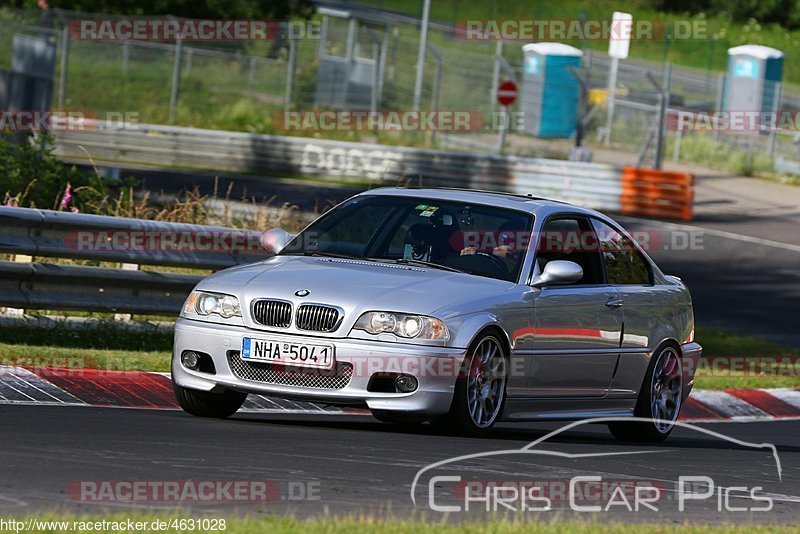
x=435 y=368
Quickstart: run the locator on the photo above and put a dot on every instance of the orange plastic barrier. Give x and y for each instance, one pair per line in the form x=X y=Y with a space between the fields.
x=654 y=193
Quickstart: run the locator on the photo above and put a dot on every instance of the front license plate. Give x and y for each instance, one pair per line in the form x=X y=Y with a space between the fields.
x=288 y=353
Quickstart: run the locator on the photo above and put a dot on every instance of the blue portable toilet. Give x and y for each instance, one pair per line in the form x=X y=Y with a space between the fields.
x=550 y=92
x=753 y=78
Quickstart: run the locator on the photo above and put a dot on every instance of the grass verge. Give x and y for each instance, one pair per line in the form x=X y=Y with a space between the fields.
x=74 y=358
x=723 y=343
x=738 y=361
x=103 y=345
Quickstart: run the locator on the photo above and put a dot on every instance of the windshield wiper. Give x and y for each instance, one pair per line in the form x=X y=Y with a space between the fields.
x=319 y=254
x=401 y=261
x=422 y=263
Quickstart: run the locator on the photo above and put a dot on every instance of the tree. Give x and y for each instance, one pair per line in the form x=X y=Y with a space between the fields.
x=783 y=12
x=209 y=9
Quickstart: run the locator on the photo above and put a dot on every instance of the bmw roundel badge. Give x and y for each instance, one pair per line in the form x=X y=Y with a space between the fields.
x=302 y=292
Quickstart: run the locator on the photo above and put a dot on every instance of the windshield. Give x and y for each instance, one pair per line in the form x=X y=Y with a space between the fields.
x=471 y=238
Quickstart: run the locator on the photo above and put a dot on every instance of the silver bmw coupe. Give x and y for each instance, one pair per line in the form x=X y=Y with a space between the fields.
x=454 y=307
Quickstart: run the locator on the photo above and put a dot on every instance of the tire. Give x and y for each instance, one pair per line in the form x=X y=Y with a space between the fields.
x=659 y=398
x=206 y=404
x=398 y=418
x=480 y=391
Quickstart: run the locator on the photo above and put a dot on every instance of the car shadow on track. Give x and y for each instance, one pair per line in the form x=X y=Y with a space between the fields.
x=591 y=434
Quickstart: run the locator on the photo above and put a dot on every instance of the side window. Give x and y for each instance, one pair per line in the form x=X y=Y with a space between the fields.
x=571 y=238
x=624 y=263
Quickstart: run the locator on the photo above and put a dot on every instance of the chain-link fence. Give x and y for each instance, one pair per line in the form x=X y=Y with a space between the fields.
x=223 y=85
x=371 y=64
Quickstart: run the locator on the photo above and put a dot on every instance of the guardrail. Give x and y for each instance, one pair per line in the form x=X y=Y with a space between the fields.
x=595 y=185
x=69 y=287
x=43 y=233
x=79 y=236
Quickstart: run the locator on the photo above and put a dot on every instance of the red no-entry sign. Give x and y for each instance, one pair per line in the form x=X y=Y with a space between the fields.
x=507 y=93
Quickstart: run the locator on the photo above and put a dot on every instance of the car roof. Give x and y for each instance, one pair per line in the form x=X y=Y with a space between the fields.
x=528 y=203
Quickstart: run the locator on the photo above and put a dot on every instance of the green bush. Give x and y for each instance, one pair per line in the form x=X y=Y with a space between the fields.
x=33 y=177
x=783 y=12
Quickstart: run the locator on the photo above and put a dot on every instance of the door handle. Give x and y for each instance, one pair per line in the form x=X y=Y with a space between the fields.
x=614 y=303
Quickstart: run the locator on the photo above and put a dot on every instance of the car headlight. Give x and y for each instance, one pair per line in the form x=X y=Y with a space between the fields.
x=403 y=325
x=204 y=304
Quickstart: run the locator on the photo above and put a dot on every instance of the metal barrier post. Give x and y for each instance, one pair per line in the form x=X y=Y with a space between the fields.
x=176 y=80
x=126 y=50
x=377 y=70
x=437 y=80
x=62 y=75
x=290 y=68
x=373 y=93
x=777 y=93
x=423 y=41
x=251 y=73
x=718 y=101
x=352 y=34
x=663 y=102
x=676 y=148
x=187 y=67
x=18 y=258
x=612 y=89
x=582 y=97
x=498 y=53
x=504 y=125
x=126 y=267
x=382 y=59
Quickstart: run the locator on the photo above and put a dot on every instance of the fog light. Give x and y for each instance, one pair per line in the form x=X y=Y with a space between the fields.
x=406 y=383
x=190 y=360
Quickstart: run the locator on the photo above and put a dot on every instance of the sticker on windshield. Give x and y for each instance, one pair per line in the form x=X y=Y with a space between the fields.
x=428 y=212
x=421 y=207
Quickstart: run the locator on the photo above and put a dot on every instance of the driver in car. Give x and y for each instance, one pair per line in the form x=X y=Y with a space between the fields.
x=505 y=249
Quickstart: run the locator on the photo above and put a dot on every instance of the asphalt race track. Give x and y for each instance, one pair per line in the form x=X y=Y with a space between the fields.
x=738 y=285
x=355 y=464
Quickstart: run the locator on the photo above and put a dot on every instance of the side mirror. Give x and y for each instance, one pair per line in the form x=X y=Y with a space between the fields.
x=559 y=272
x=275 y=239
